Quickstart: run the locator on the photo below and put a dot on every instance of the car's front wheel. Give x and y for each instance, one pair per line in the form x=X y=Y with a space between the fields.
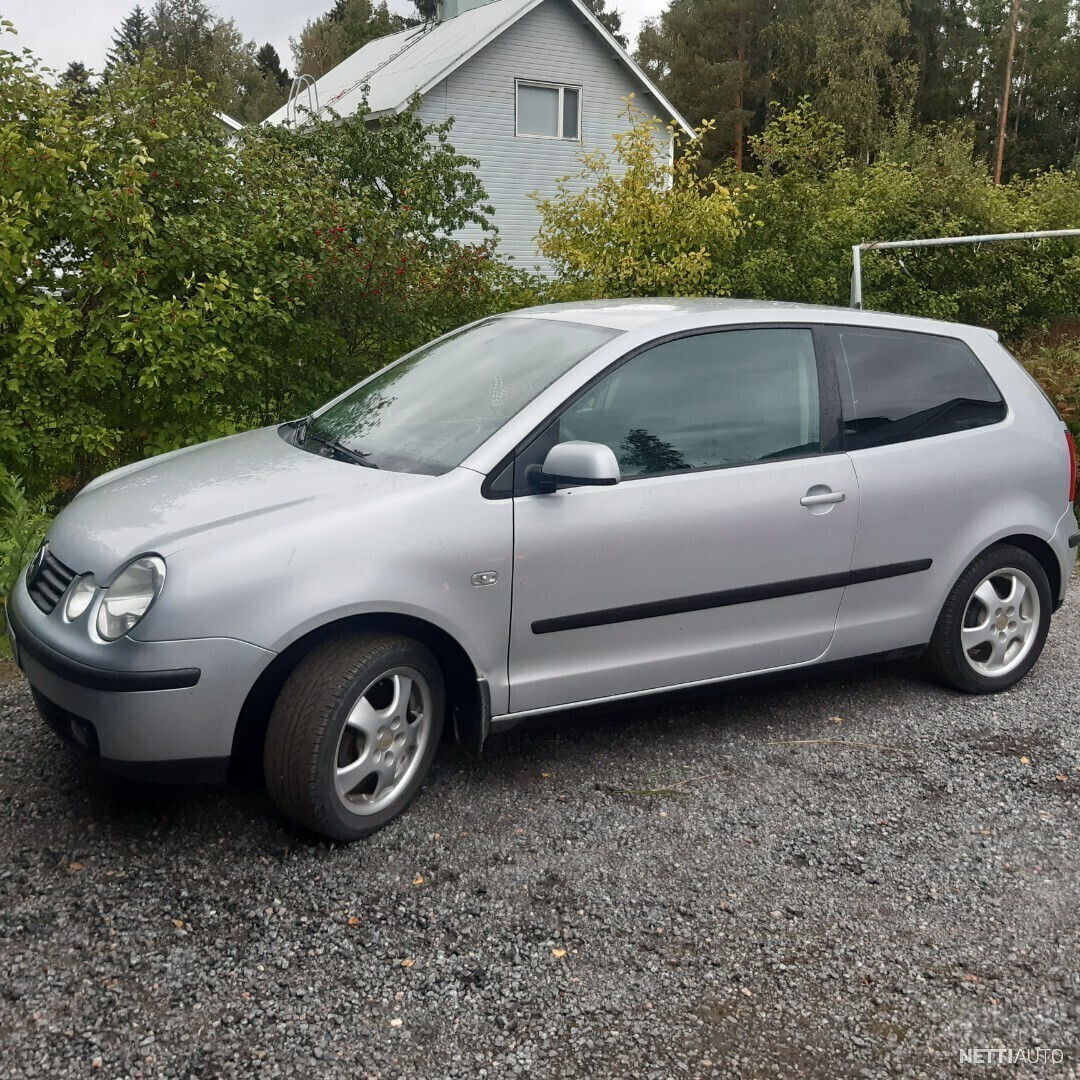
x=993 y=625
x=353 y=733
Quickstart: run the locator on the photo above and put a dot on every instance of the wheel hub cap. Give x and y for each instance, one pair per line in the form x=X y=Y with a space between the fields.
x=383 y=741
x=1001 y=622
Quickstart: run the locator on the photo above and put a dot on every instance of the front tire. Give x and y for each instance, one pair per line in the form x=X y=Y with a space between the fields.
x=353 y=734
x=993 y=625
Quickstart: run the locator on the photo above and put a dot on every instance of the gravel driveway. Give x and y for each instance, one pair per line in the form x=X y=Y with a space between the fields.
x=857 y=875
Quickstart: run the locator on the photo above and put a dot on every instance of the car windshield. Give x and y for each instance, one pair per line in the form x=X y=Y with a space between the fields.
x=429 y=411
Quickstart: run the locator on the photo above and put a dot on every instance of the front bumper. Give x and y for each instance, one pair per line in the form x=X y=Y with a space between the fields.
x=155 y=710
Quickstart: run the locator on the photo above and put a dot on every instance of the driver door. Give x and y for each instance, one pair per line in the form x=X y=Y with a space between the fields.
x=725 y=547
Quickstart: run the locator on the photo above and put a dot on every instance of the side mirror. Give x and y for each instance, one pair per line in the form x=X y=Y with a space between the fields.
x=585 y=463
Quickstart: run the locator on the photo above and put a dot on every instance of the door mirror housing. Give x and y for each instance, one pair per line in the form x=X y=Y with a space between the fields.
x=579 y=463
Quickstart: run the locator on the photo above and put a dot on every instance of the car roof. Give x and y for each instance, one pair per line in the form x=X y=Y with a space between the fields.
x=637 y=314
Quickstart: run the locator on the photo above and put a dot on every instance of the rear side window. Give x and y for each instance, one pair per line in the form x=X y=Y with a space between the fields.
x=896 y=386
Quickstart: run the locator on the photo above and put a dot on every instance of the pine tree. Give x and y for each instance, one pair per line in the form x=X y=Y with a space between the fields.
x=76 y=78
x=181 y=31
x=709 y=58
x=611 y=20
x=131 y=40
x=347 y=26
x=269 y=64
x=1044 y=117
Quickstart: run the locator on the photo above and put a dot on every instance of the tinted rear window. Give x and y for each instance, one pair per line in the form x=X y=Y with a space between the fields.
x=896 y=386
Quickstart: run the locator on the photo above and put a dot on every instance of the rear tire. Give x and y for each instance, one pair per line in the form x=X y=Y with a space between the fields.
x=993 y=625
x=353 y=734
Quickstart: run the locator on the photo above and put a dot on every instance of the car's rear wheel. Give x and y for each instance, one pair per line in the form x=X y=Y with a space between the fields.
x=993 y=626
x=353 y=734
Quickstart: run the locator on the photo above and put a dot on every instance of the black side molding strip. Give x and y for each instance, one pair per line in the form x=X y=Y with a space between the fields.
x=1074 y=540
x=95 y=678
x=728 y=597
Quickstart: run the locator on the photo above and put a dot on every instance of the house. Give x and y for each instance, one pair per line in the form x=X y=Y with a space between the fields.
x=228 y=123
x=528 y=83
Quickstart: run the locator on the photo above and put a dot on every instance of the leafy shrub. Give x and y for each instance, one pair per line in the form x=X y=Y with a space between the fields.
x=632 y=223
x=161 y=284
x=810 y=204
x=23 y=522
x=1054 y=360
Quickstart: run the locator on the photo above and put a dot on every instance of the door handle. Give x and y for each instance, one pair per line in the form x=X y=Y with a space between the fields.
x=824 y=497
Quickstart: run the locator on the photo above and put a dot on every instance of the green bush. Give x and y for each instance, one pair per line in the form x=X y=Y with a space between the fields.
x=630 y=224
x=161 y=284
x=635 y=224
x=23 y=522
x=810 y=204
x=1054 y=360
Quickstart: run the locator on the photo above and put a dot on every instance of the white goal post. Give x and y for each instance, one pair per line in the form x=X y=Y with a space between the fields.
x=940 y=241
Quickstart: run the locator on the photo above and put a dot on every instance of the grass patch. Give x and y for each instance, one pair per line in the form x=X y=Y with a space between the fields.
x=8 y=671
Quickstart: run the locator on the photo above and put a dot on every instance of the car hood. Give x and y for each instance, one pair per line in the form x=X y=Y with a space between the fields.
x=170 y=502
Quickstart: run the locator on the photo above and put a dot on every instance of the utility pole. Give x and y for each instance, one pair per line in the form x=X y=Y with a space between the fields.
x=1003 y=120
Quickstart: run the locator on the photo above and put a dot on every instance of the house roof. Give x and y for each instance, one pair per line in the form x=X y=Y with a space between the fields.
x=399 y=66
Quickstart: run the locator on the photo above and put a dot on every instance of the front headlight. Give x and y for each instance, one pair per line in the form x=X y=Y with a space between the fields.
x=80 y=596
x=129 y=597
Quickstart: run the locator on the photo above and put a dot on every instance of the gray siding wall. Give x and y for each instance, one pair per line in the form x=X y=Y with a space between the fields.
x=551 y=44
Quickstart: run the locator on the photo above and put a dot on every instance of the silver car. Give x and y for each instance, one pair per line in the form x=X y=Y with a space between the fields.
x=556 y=507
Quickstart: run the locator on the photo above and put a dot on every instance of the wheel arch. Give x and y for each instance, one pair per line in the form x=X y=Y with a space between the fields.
x=468 y=703
x=1044 y=554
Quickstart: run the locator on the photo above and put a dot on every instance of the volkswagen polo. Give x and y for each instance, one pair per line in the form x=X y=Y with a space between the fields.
x=556 y=507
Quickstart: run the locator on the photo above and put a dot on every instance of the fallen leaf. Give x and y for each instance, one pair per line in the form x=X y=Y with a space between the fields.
x=75 y=867
x=418 y=880
x=408 y=963
x=1062 y=777
x=1025 y=761
x=353 y=921
x=837 y=719
x=178 y=923
x=546 y=775
x=558 y=953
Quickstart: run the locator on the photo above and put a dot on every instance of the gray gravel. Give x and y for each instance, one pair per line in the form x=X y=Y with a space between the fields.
x=901 y=886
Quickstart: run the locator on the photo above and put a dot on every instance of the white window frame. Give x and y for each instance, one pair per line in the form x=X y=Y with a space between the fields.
x=561 y=87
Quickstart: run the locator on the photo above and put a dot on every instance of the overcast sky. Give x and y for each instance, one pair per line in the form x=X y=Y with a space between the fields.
x=59 y=31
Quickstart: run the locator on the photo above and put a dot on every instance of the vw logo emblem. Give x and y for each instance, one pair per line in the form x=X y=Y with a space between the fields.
x=35 y=564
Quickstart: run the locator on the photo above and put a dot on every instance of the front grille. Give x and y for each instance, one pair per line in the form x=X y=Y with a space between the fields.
x=49 y=581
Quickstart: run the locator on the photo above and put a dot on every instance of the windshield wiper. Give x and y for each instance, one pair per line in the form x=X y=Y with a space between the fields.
x=335 y=446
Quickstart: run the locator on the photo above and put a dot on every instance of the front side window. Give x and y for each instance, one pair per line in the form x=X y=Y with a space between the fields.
x=896 y=385
x=725 y=398
x=548 y=112
x=431 y=410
